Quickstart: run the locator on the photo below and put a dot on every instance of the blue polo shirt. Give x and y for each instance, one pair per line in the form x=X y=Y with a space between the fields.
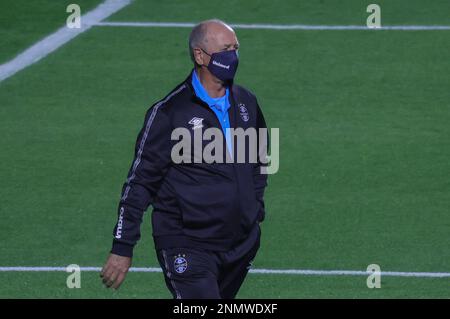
x=219 y=105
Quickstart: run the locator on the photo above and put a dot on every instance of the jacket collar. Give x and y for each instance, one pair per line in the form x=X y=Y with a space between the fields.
x=197 y=100
x=188 y=83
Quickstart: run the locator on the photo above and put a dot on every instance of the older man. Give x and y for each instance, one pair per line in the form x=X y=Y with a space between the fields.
x=205 y=215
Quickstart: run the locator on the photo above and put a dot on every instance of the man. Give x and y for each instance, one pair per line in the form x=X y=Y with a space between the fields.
x=205 y=215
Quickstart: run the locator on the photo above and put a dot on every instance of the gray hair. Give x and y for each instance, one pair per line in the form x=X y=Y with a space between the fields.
x=197 y=38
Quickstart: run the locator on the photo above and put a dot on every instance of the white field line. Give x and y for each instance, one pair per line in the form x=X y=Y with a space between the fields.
x=95 y=17
x=55 y=40
x=305 y=272
x=276 y=26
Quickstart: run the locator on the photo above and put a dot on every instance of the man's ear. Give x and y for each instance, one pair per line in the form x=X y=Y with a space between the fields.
x=198 y=56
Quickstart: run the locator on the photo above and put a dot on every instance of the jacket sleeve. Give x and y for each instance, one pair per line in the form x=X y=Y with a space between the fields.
x=260 y=179
x=151 y=162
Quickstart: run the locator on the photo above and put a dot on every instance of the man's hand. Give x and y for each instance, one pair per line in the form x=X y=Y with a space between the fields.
x=115 y=270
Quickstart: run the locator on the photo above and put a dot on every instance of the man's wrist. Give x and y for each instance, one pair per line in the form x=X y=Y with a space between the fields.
x=122 y=249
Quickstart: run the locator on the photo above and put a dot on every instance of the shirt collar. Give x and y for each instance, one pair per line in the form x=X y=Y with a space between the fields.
x=220 y=103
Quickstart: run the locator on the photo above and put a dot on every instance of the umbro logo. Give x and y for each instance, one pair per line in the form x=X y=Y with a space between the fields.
x=196 y=122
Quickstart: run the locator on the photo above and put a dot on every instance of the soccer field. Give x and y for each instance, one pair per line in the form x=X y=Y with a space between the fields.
x=364 y=119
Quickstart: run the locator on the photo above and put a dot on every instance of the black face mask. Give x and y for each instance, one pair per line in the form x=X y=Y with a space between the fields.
x=223 y=65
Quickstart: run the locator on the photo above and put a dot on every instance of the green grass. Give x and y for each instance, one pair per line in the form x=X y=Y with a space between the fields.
x=151 y=285
x=363 y=119
x=288 y=11
x=23 y=22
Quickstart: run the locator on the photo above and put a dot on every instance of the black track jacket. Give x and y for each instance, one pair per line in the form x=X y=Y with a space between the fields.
x=213 y=206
